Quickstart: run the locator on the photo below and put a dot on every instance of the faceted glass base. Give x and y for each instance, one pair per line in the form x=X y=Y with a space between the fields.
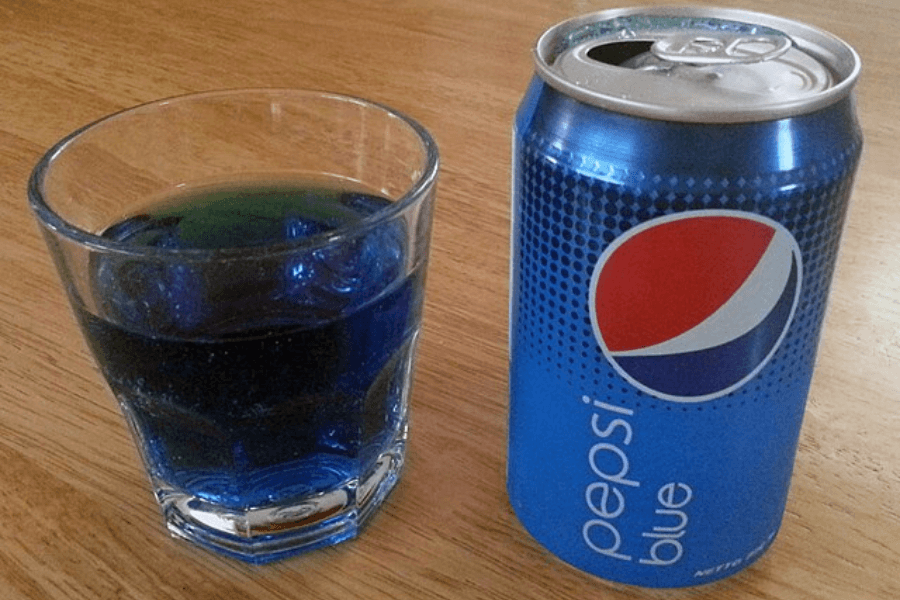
x=269 y=533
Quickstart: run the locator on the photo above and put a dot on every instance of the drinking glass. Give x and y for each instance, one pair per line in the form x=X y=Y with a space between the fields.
x=247 y=268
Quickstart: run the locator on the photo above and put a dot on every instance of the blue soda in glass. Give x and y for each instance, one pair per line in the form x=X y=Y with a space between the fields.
x=273 y=385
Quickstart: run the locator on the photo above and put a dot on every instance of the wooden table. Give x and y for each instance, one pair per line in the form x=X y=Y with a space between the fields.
x=76 y=516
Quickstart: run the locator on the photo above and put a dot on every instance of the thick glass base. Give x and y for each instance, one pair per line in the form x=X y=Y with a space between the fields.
x=268 y=533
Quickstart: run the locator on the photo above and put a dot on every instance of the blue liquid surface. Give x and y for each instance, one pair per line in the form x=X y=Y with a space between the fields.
x=252 y=382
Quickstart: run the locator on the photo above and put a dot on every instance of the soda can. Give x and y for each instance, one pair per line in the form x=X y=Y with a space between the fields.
x=681 y=179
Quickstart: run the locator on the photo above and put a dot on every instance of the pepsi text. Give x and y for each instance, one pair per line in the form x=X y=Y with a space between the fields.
x=607 y=501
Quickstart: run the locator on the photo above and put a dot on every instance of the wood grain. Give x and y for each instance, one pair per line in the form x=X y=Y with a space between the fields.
x=78 y=520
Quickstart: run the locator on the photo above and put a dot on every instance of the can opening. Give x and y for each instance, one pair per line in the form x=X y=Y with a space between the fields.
x=617 y=53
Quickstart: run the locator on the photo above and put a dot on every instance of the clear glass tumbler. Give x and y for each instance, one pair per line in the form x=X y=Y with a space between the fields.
x=248 y=269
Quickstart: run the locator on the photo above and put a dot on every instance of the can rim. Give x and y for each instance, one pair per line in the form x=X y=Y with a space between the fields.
x=834 y=53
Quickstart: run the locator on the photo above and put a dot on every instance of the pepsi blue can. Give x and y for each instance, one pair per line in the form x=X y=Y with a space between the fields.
x=680 y=184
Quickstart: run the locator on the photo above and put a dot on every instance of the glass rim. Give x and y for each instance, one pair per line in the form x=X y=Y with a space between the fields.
x=51 y=220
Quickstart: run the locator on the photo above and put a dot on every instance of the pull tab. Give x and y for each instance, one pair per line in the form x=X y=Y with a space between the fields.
x=720 y=48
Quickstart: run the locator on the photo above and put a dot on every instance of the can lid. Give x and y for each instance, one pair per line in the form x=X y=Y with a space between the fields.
x=697 y=64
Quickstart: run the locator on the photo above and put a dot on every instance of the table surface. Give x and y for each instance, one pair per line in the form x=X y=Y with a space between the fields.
x=78 y=520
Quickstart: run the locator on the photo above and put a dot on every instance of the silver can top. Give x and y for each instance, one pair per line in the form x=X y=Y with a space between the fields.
x=696 y=64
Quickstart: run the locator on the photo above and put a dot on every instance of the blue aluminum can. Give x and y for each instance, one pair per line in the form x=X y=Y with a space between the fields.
x=680 y=185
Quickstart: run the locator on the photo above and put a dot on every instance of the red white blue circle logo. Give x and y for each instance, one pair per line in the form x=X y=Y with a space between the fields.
x=690 y=307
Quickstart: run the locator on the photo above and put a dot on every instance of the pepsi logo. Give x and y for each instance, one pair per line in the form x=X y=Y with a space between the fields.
x=690 y=307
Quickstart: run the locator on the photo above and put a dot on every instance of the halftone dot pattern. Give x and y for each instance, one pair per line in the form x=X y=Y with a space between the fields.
x=566 y=216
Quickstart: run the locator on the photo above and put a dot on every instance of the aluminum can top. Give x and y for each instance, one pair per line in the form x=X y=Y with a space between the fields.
x=692 y=64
